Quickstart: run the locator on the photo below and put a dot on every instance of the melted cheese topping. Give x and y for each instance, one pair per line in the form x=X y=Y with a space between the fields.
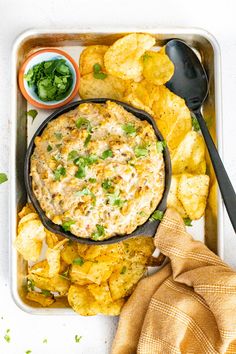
x=97 y=172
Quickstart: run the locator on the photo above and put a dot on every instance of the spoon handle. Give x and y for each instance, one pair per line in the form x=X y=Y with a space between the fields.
x=226 y=188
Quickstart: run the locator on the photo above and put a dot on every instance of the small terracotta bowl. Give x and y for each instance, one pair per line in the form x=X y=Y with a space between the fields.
x=45 y=55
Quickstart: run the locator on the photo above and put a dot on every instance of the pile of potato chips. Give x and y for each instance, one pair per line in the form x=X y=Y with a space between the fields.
x=95 y=279
x=133 y=71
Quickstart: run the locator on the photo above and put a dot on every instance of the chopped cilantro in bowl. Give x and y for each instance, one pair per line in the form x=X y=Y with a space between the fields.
x=49 y=78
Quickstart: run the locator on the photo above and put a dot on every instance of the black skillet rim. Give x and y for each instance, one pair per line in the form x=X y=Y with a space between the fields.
x=148 y=228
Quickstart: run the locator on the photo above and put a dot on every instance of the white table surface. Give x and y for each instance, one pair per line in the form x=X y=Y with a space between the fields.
x=218 y=17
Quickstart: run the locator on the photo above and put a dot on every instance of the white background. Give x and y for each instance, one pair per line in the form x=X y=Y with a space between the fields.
x=218 y=17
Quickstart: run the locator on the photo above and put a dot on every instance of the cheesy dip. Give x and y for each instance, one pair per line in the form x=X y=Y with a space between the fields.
x=97 y=171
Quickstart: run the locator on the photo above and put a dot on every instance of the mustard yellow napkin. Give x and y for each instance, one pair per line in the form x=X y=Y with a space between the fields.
x=187 y=307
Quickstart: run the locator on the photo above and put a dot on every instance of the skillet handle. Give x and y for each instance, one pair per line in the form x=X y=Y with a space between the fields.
x=226 y=188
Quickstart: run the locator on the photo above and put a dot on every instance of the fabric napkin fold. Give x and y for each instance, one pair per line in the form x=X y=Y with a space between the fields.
x=189 y=306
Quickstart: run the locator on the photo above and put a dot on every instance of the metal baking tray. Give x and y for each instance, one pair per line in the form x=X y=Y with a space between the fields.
x=208 y=229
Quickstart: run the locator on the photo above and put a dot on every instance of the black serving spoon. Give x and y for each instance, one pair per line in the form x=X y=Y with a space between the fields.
x=191 y=83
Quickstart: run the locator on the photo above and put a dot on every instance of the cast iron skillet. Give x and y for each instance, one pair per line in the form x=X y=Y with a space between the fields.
x=148 y=228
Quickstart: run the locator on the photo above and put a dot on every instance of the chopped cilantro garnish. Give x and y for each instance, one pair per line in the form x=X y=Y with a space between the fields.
x=66 y=273
x=49 y=148
x=86 y=191
x=30 y=284
x=100 y=232
x=46 y=292
x=77 y=338
x=45 y=341
x=84 y=122
x=7 y=336
x=195 y=124
x=85 y=161
x=67 y=224
x=61 y=171
x=123 y=270
x=58 y=136
x=188 y=221
x=161 y=145
x=97 y=72
x=58 y=146
x=106 y=154
x=51 y=80
x=80 y=173
x=146 y=56
x=157 y=215
x=140 y=151
x=92 y=180
x=32 y=113
x=87 y=140
x=72 y=155
x=78 y=261
x=129 y=129
x=82 y=162
x=106 y=184
x=115 y=200
x=28 y=352
x=3 y=178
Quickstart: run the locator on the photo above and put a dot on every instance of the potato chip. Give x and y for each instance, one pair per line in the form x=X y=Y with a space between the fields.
x=112 y=308
x=40 y=298
x=101 y=292
x=82 y=301
x=173 y=200
x=28 y=217
x=69 y=252
x=141 y=95
x=93 y=54
x=90 y=272
x=172 y=116
x=51 y=239
x=56 y=284
x=157 y=67
x=122 y=281
x=189 y=157
x=40 y=268
x=27 y=209
x=193 y=192
x=29 y=240
x=123 y=58
x=109 y=87
x=53 y=258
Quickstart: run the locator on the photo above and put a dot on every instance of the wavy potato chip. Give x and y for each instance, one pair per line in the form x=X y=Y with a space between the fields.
x=141 y=95
x=56 y=284
x=172 y=116
x=93 y=54
x=123 y=58
x=51 y=239
x=82 y=301
x=69 y=252
x=112 y=308
x=122 y=281
x=40 y=298
x=157 y=67
x=40 y=268
x=193 y=192
x=189 y=157
x=110 y=87
x=29 y=240
x=101 y=293
x=173 y=200
x=27 y=209
x=53 y=257
x=96 y=272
